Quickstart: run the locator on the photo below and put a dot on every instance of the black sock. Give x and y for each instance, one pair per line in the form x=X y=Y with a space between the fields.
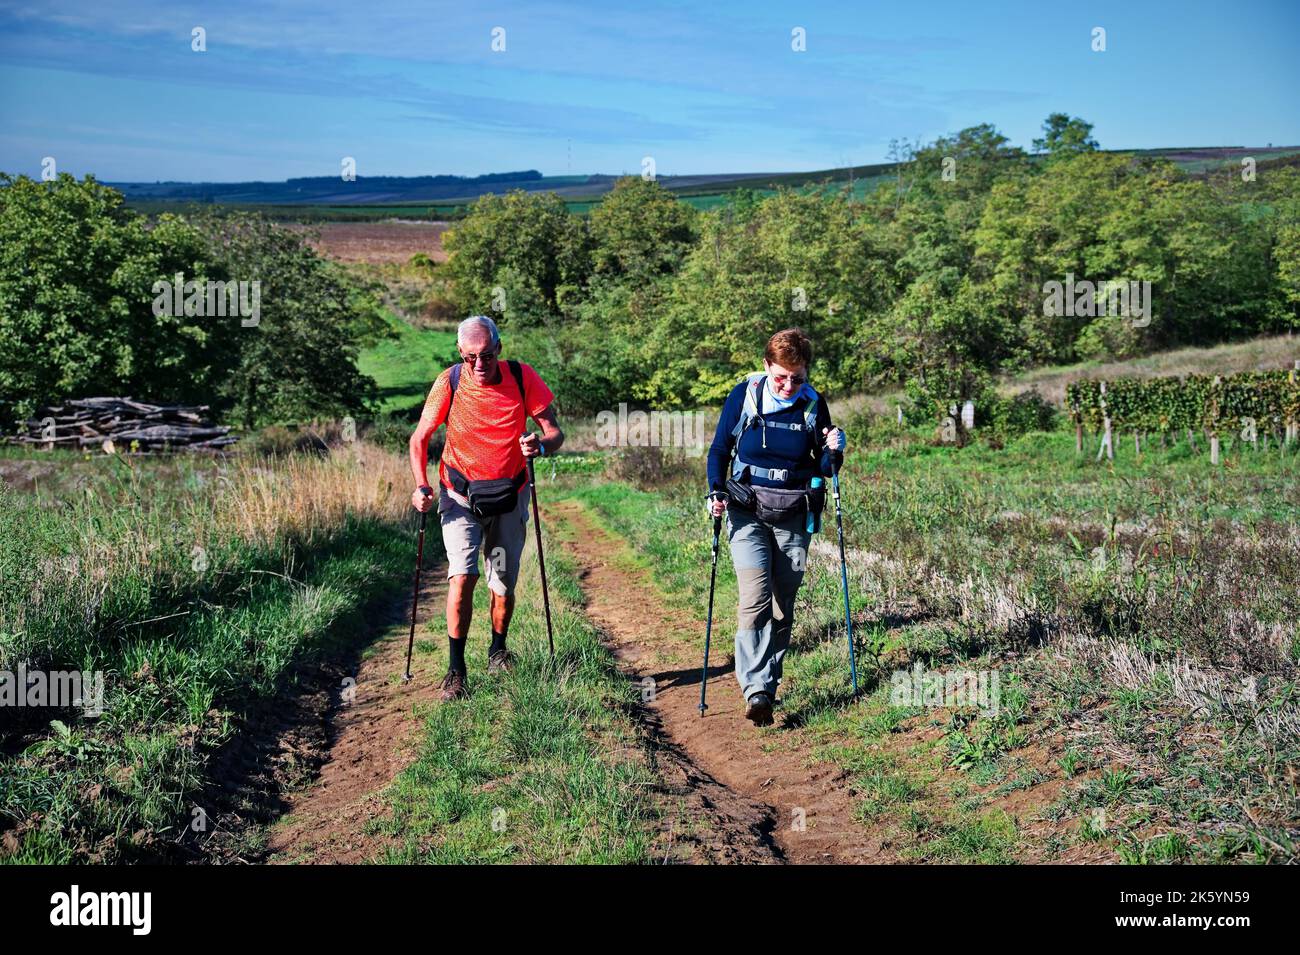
x=498 y=643
x=457 y=661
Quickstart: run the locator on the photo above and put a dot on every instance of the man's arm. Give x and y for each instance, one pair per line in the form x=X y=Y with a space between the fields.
x=435 y=412
x=551 y=439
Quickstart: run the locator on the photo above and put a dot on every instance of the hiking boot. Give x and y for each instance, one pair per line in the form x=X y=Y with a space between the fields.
x=502 y=661
x=452 y=687
x=759 y=710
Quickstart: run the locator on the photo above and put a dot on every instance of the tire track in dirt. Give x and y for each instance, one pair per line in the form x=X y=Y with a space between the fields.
x=756 y=792
x=372 y=739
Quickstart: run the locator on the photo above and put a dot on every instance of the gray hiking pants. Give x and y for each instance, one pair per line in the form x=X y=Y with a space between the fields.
x=769 y=561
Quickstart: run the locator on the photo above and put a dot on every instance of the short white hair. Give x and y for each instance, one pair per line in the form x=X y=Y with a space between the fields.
x=483 y=321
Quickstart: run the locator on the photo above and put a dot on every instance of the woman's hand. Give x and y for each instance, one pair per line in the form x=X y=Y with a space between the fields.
x=717 y=504
x=835 y=439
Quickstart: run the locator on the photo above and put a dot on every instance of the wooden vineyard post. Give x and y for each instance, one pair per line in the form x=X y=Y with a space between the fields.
x=1214 y=427
x=1291 y=421
x=1107 y=442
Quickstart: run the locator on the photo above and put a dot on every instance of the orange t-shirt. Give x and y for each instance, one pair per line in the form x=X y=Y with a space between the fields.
x=487 y=420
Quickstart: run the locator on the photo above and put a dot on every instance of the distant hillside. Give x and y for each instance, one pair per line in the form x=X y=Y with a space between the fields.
x=425 y=196
x=334 y=190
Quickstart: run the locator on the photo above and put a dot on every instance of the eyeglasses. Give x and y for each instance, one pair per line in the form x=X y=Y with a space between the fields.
x=487 y=357
x=795 y=380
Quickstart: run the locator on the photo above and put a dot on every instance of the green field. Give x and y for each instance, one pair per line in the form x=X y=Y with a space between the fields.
x=406 y=365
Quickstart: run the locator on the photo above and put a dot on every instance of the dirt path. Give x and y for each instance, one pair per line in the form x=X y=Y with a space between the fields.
x=372 y=739
x=763 y=802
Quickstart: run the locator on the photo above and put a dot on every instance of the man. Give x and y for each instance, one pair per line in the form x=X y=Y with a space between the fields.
x=483 y=493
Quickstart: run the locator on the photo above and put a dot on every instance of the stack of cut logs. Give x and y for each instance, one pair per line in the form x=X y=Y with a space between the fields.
x=114 y=424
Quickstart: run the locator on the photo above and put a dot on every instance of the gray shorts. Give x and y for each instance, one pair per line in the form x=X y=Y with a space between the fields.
x=501 y=538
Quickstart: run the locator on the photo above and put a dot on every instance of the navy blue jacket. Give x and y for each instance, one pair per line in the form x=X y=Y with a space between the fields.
x=804 y=455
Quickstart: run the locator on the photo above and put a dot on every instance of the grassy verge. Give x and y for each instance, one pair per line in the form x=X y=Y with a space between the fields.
x=542 y=765
x=405 y=366
x=1139 y=619
x=196 y=591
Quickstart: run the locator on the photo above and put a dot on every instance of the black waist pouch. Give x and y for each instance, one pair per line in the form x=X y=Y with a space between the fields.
x=741 y=495
x=489 y=498
x=776 y=504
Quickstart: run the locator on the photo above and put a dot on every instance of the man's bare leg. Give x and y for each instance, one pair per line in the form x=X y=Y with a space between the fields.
x=460 y=608
x=460 y=605
x=503 y=609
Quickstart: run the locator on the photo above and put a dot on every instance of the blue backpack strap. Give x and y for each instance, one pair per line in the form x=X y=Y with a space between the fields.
x=748 y=412
x=810 y=417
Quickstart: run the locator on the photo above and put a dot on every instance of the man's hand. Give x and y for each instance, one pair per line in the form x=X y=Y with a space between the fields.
x=422 y=499
x=717 y=504
x=530 y=444
x=834 y=439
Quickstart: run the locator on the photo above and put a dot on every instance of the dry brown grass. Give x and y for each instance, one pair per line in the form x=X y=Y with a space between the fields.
x=1259 y=354
x=303 y=495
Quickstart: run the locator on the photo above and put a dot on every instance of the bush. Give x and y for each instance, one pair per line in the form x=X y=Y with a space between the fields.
x=1011 y=417
x=650 y=468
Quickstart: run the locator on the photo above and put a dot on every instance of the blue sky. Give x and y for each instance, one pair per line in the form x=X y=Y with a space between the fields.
x=289 y=88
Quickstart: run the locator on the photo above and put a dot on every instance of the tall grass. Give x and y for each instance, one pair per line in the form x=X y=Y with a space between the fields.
x=195 y=596
x=1136 y=603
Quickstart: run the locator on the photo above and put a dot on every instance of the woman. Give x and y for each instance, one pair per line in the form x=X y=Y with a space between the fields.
x=775 y=436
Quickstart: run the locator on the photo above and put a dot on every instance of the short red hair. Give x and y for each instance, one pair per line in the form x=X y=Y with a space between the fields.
x=789 y=348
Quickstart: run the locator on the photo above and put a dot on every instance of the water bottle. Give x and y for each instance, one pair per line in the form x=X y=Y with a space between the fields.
x=814 y=523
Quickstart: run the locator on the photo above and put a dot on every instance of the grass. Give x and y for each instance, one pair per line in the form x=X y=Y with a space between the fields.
x=197 y=599
x=1257 y=354
x=405 y=365
x=541 y=766
x=1140 y=616
x=201 y=588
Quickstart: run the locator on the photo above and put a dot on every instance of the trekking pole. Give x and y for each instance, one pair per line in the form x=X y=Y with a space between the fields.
x=415 y=592
x=708 y=626
x=541 y=558
x=844 y=577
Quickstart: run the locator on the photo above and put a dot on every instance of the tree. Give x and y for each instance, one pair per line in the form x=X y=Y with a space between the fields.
x=76 y=319
x=1064 y=135
x=640 y=230
x=518 y=257
x=81 y=311
x=299 y=361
